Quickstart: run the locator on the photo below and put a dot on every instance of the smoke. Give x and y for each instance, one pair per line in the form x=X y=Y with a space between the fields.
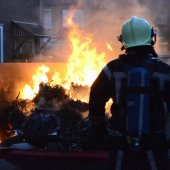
x=102 y=19
x=10 y=76
x=105 y=19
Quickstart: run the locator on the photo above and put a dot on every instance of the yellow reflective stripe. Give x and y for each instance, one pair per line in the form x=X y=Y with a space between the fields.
x=119 y=160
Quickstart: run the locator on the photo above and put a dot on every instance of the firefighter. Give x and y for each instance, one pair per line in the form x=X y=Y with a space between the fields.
x=148 y=148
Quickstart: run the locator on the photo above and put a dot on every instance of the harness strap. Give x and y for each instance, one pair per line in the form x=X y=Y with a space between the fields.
x=151 y=160
x=119 y=75
x=162 y=78
x=117 y=79
x=119 y=160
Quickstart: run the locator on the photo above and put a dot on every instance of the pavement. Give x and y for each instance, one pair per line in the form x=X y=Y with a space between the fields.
x=5 y=165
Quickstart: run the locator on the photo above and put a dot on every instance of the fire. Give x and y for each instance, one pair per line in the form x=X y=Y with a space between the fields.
x=107 y=107
x=84 y=64
x=29 y=91
x=109 y=47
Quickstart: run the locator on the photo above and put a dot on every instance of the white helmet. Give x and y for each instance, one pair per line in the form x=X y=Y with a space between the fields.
x=137 y=32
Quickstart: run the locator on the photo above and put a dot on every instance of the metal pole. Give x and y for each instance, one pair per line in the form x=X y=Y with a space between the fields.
x=1 y=44
x=40 y=12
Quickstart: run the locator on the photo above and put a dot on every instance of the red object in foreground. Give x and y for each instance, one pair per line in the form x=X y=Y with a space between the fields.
x=44 y=159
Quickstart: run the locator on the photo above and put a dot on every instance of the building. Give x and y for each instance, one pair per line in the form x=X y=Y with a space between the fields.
x=35 y=27
x=20 y=29
x=26 y=27
x=53 y=19
x=1 y=43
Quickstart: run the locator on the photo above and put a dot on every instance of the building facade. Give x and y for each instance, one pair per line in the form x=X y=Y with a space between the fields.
x=13 y=44
x=26 y=27
x=30 y=28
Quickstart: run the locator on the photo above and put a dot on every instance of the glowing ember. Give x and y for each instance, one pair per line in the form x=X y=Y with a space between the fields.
x=109 y=47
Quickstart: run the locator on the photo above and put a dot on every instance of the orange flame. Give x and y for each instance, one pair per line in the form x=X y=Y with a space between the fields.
x=29 y=91
x=84 y=64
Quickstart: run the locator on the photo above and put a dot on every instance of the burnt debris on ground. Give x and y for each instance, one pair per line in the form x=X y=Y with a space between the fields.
x=51 y=116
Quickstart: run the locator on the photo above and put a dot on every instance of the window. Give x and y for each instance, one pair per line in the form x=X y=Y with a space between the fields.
x=1 y=44
x=47 y=18
x=77 y=18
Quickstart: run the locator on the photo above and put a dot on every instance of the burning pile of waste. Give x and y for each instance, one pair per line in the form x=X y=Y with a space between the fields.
x=54 y=119
x=54 y=110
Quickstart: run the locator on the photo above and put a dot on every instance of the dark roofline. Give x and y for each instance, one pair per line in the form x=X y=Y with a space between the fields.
x=28 y=30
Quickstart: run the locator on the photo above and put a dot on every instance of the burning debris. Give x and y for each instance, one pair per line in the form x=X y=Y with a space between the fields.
x=63 y=100
x=54 y=117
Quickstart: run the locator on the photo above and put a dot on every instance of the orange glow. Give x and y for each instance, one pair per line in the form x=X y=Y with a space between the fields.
x=83 y=66
x=84 y=63
x=107 y=107
x=29 y=91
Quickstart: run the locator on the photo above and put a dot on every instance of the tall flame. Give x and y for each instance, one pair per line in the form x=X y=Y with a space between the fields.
x=84 y=64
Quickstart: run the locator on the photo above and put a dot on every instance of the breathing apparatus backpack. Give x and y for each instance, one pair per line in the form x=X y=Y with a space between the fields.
x=140 y=105
x=138 y=101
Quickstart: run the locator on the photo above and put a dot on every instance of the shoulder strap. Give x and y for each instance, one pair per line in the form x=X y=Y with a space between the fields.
x=107 y=72
x=117 y=76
